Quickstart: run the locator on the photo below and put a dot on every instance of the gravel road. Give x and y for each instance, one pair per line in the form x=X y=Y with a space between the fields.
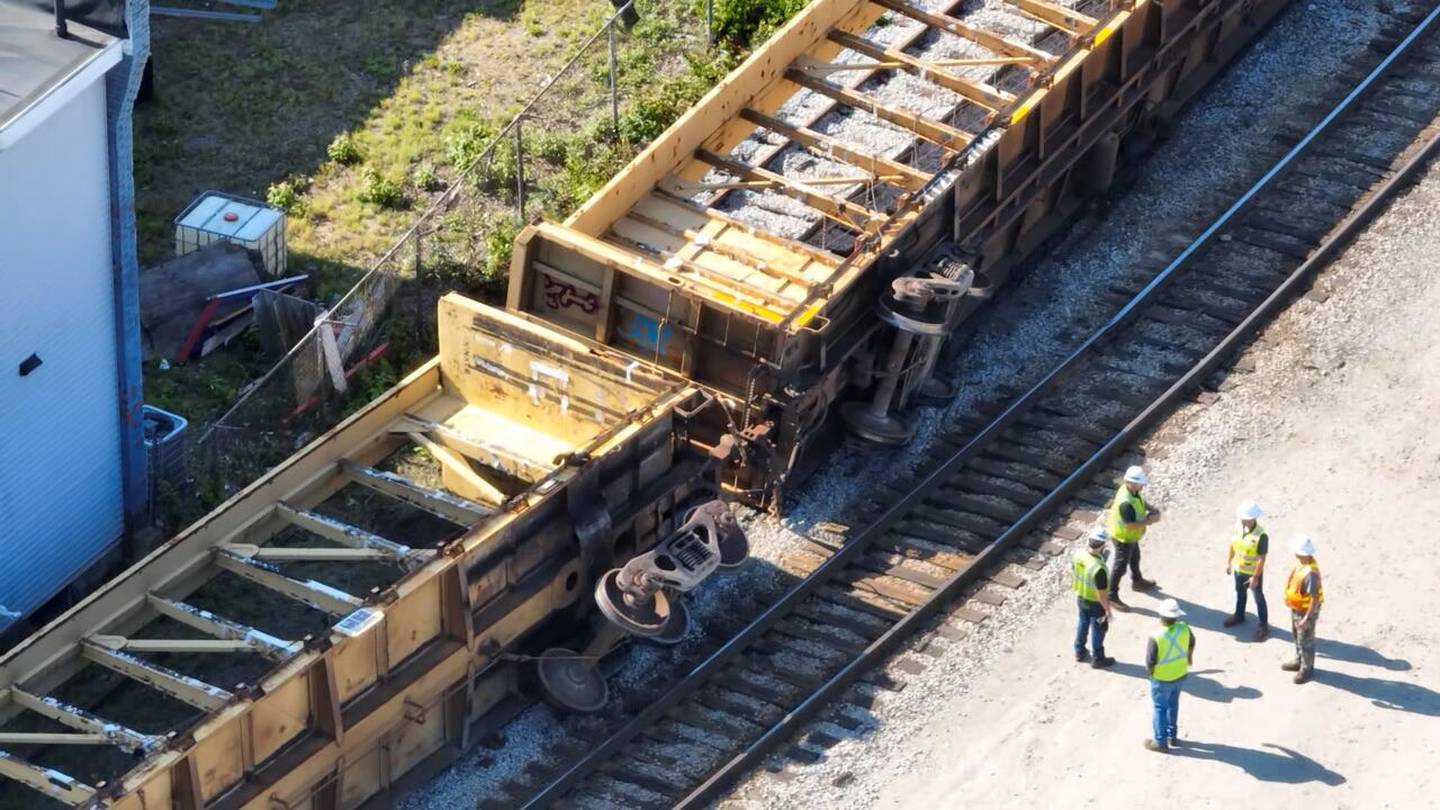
x=1331 y=434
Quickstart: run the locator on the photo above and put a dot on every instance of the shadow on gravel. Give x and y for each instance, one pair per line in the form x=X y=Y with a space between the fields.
x=1291 y=767
x=1205 y=618
x=1387 y=694
x=1354 y=653
x=1196 y=684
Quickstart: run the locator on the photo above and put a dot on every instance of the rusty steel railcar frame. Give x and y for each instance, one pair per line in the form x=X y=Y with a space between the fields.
x=781 y=328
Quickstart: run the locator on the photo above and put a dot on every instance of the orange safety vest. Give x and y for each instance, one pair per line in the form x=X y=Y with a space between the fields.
x=1298 y=601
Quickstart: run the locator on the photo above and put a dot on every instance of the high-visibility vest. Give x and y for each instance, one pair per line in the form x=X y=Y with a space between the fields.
x=1172 y=652
x=1123 y=495
x=1300 y=602
x=1083 y=569
x=1246 y=547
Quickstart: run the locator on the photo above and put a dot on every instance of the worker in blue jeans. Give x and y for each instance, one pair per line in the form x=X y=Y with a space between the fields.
x=1246 y=561
x=1092 y=597
x=1168 y=656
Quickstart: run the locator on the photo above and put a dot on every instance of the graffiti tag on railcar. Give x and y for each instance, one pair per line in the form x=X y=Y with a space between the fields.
x=560 y=295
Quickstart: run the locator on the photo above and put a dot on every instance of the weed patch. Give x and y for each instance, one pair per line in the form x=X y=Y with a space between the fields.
x=380 y=190
x=343 y=150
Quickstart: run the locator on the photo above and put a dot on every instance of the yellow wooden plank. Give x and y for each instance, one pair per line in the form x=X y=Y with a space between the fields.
x=910 y=178
x=987 y=96
x=942 y=135
x=964 y=30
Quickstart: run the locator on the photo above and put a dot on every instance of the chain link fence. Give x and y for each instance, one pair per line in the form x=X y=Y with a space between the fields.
x=319 y=379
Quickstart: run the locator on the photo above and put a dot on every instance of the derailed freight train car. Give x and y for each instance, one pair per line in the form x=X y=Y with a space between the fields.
x=339 y=622
x=805 y=240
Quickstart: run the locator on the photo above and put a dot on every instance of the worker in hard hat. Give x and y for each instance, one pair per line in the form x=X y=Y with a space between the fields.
x=1168 y=656
x=1245 y=562
x=1091 y=584
x=1129 y=517
x=1304 y=592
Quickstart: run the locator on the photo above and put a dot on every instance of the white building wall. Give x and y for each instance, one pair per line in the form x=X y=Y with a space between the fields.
x=60 y=474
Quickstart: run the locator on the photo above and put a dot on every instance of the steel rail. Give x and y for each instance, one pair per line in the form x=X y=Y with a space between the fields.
x=906 y=626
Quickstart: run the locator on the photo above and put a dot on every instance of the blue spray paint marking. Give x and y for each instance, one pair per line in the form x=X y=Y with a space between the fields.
x=648 y=332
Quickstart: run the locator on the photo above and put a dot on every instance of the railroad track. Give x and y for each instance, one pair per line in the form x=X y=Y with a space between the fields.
x=953 y=534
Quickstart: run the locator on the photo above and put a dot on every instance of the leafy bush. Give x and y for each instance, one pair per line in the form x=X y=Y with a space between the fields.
x=499 y=235
x=745 y=23
x=551 y=147
x=471 y=253
x=500 y=170
x=663 y=102
x=285 y=195
x=380 y=190
x=425 y=179
x=467 y=141
x=588 y=166
x=343 y=150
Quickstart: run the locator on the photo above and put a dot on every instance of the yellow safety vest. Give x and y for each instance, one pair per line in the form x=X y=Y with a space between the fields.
x=1294 y=597
x=1117 y=526
x=1246 y=547
x=1172 y=652
x=1084 y=567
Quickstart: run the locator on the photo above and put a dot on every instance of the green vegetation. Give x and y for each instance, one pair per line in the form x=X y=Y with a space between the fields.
x=424 y=178
x=285 y=195
x=741 y=23
x=343 y=150
x=380 y=190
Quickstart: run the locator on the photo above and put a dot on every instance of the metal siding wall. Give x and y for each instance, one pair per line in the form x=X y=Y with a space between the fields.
x=60 y=474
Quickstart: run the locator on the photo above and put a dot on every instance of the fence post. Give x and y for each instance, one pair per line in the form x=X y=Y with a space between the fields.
x=419 y=290
x=614 y=80
x=519 y=168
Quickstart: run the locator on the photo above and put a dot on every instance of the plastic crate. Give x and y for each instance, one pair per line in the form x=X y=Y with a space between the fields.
x=165 y=446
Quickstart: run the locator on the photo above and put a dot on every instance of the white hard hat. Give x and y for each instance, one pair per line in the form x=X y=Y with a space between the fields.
x=1248 y=510
x=1170 y=609
x=1302 y=545
x=1135 y=475
x=1098 y=537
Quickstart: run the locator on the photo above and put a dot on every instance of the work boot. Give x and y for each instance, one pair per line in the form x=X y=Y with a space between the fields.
x=1304 y=676
x=1119 y=605
x=1291 y=666
x=1262 y=632
x=1102 y=662
x=1151 y=745
x=1082 y=656
x=1231 y=621
x=1142 y=584
x=1174 y=742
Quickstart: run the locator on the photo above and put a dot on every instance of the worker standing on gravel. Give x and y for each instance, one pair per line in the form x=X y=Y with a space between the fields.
x=1246 y=563
x=1129 y=517
x=1304 y=592
x=1168 y=656
x=1091 y=596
